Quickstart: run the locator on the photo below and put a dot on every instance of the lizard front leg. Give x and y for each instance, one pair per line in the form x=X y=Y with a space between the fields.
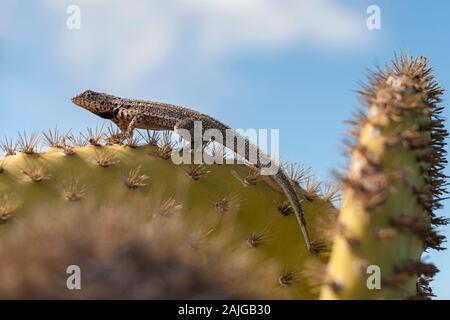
x=128 y=132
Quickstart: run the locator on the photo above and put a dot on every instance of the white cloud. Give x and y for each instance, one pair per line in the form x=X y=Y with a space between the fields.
x=128 y=40
x=233 y=25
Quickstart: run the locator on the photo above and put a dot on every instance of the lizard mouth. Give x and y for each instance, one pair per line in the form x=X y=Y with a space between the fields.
x=76 y=100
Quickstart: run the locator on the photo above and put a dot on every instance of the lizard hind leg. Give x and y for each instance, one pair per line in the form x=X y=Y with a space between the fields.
x=127 y=130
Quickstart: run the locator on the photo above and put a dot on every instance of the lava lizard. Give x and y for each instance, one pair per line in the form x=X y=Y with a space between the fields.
x=130 y=114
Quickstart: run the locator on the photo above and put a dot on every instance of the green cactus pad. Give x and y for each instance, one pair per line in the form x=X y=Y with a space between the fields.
x=216 y=204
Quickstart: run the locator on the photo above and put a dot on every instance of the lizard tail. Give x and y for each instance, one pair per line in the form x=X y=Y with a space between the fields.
x=288 y=189
x=281 y=178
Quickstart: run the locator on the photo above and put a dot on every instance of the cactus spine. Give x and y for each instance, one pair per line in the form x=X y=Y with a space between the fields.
x=394 y=183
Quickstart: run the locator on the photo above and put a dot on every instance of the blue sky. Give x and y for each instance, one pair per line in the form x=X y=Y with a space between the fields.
x=292 y=65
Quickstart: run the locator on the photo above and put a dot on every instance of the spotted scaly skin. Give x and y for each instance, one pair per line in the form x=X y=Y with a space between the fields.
x=130 y=114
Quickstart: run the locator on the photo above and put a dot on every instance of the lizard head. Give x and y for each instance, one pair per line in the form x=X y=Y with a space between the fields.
x=95 y=102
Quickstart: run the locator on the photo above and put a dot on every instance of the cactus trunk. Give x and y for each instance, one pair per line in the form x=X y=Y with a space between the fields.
x=394 y=183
